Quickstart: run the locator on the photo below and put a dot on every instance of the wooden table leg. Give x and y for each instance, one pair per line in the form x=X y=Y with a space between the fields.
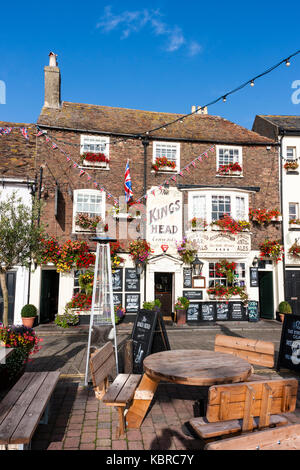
x=141 y=402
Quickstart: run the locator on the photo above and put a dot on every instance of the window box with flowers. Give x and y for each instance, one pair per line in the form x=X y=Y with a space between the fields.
x=220 y=292
x=163 y=164
x=291 y=166
x=187 y=250
x=263 y=216
x=294 y=224
x=86 y=223
x=231 y=169
x=294 y=250
x=94 y=160
x=227 y=223
x=198 y=223
x=271 y=249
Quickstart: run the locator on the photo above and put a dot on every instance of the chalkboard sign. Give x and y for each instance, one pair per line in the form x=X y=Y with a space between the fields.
x=132 y=303
x=193 y=294
x=208 y=312
x=117 y=279
x=132 y=280
x=192 y=313
x=253 y=310
x=187 y=278
x=237 y=311
x=253 y=277
x=148 y=337
x=117 y=298
x=289 y=350
x=222 y=311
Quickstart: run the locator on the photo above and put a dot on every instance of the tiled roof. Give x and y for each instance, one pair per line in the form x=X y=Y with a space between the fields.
x=17 y=153
x=284 y=122
x=121 y=121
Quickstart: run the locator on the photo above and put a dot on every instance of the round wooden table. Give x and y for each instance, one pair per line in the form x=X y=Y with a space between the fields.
x=187 y=367
x=196 y=367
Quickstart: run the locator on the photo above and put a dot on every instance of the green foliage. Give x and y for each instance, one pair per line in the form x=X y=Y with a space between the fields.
x=155 y=305
x=182 y=303
x=67 y=319
x=86 y=281
x=28 y=311
x=284 y=307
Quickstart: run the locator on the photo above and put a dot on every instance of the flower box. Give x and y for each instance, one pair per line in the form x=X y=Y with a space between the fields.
x=231 y=169
x=87 y=163
x=162 y=164
x=97 y=160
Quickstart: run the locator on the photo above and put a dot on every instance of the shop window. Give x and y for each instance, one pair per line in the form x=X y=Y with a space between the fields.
x=239 y=272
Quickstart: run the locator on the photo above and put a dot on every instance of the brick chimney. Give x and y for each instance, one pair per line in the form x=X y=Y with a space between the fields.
x=52 y=83
x=199 y=110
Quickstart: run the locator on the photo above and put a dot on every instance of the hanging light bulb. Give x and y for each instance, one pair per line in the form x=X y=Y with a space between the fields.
x=224 y=98
x=252 y=83
x=287 y=62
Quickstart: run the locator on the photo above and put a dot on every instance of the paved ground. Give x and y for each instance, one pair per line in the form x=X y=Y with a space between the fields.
x=79 y=421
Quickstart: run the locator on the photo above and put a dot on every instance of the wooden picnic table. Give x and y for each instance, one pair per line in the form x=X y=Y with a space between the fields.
x=5 y=353
x=187 y=367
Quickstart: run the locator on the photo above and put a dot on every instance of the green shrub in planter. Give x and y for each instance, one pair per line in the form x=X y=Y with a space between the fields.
x=67 y=319
x=155 y=305
x=284 y=307
x=29 y=311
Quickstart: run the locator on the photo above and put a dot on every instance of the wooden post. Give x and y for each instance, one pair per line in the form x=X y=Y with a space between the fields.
x=128 y=357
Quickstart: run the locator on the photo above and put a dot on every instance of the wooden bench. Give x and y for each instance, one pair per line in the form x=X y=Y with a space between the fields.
x=23 y=407
x=120 y=393
x=287 y=438
x=233 y=408
x=254 y=351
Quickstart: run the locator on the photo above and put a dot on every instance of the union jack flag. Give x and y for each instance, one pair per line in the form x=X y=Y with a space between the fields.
x=127 y=184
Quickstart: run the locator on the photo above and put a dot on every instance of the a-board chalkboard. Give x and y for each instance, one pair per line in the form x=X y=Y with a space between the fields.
x=148 y=337
x=222 y=311
x=117 y=279
x=238 y=311
x=132 y=280
x=253 y=310
x=289 y=350
x=208 y=311
x=187 y=278
x=132 y=303
x=192 y=313
x=193 y=294
x=117 y=298
x=253 y=277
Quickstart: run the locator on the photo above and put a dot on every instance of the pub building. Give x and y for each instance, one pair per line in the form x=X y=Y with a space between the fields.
x=197 y=179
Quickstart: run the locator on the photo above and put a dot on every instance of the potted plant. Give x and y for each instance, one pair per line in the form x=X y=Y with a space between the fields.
x=181 y=307
x=28 y=314
x=119 y=313
x=291 y=165
x=67 y=319
x=283 y=309
x=197 y=223
x=154 y=305
x=295 y=250
x=271 y=249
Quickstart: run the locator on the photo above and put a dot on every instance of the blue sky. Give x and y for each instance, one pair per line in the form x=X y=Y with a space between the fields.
x=160 y=55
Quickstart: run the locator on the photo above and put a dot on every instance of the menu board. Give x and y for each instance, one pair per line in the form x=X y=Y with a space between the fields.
x=237 y=311
x=117 y=279
x=253 y=277
x=187 y=278
x=207 y=312
x=222 y=311
x=132 y=280
x=132 y=303
x=117 y=298
x=289 y=350
x=193 y=294
x=148 y=336
x=192 y=313
x=253 y=310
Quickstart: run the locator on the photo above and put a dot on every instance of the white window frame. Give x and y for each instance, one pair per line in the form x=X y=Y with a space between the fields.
x=173 y=144
x=239 y=158
x=293 y=148
x=90 y=192
x=239 y=281
x=208 y=193
x=297 y=210
x=95 y=140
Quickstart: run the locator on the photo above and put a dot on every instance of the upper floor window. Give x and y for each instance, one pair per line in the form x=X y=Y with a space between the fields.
x=229 y=160
x=94 y=151
x=220 y=205
x=88 y=210
x=293 y=211
x=291 y=153
x=166 y=152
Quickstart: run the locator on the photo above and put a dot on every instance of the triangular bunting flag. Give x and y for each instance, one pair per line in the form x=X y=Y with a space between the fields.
x=24 y=132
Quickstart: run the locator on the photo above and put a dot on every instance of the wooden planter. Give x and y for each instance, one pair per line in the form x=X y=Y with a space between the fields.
x=181 y=316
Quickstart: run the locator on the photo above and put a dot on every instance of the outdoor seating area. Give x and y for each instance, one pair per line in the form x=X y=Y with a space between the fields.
x=185 y=399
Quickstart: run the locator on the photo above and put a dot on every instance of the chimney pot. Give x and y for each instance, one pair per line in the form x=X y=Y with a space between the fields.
x=52 y=59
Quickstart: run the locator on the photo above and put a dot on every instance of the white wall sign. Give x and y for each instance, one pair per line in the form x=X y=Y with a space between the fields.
x=164 y=219
x=217 y=243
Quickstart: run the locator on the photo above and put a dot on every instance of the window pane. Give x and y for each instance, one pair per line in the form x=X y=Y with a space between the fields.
x=291 y=153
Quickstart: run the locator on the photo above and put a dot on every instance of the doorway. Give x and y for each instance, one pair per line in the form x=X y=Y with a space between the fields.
x=163 y=291
x=266 y=296
x=49 y=296
x=292 y=285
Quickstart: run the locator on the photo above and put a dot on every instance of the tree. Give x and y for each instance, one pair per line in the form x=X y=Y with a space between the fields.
x=20 y=236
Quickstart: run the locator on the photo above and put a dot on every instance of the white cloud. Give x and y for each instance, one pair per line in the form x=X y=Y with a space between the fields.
x=129 y=22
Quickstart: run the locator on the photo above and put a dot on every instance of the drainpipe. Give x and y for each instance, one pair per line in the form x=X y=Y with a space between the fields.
x=40 y=194
x=145 y=143
x=282 y=210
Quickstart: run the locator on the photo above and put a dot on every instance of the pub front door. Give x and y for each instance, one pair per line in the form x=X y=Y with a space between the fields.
x=164 y=292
